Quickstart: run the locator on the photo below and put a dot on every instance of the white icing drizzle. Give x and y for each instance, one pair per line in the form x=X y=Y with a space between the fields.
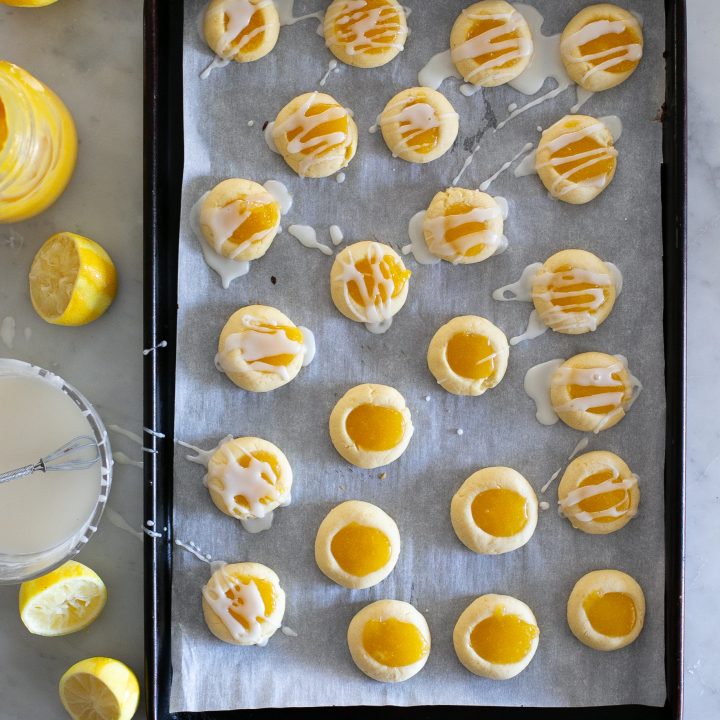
x=288 y=631
x=154 y=433
x=465 y=165
x=527 y=165
x=285 y=11
x=583 y=96
x=217 y=62
x=570 y=505
x=438 y=68
x=331 y=66
x=544 y=505
x=438 y=227
x=609 y=58
x=194 y=550
x=203 y=456
x=7 y=331
x=589 y=158
x=226 y=268
x=237 y=14
x=502 y=203
x=512 y=106
x=614 y=124
x=418 y=246
x=256 y=525
x=581 y=445
x=340 y=178
x=161 y=344
x=536 y=327
x=468 y=89
x=544 y=488
x=245 y=601
x=486 y=184
x=537 y=386
x=360 y=29
x=313 y=148
x=122 y=459
x=256 y=343
x=336 y=235
x=488 y=42
x=592 y=377
x=521 y=290
x=308 y=238
x=309 y=343
x=269 y=139
x=280 y=192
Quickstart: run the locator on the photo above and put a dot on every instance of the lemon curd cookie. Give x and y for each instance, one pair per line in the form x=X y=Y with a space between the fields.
x=241 y=30
x=606 y=609
x=260 y=349
x=419 y=125
x=494 y=511
x=365 y=33
x=389 y=640
x=239 y=219
x=357 y=545
x=574 y=291
x=468 y=355
x=243 y=603
x=463 y=226
x=370 y=425
x=315 y=135
x=490 y=43
x=496 y=636
x=592 y=391
x=601 y=46
x=576 y=158
x=598 y=493
x=369 y=284
x=248 y=478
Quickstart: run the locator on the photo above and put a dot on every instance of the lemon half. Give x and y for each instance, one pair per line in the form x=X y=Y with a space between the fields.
x=62 y=602
x=72 y=280
x=99 y=688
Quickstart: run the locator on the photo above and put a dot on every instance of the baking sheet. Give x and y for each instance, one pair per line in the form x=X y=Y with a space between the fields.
x=435 y=572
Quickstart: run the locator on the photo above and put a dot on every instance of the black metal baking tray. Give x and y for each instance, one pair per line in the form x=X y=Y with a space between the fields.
x=163 y=148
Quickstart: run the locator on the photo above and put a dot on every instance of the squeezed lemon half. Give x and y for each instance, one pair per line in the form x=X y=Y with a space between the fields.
x=99 y=688
x=63 y=601
x=72 y=280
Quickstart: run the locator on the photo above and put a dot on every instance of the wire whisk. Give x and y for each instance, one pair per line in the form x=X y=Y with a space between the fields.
x=72 y=455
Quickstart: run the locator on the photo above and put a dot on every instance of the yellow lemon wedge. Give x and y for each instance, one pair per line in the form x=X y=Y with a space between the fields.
x=72 y=280
x=99 y=688
x=63 y=601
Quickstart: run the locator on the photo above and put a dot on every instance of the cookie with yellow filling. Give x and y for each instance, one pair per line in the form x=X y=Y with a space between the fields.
x=357 y=545
x=463 y=226
x=496 y=636
x=574 y=292
x=389 y=640
x=243 y=603
x=239 y=219
x=419 y=125
x=598 y=493
x=369 y=284
x=606 y=609
x=490 y=43
x=261 y=349
x=315 y=135
x=248 y=477
x=576 y=158
x=468 y=355
x=371 y=425
x=494 y=511
x=365 y=33
x=241 y=30
x=601 y=46
x=592 y=391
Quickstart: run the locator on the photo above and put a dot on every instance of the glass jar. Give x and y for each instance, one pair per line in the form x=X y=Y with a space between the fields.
x=38 y=145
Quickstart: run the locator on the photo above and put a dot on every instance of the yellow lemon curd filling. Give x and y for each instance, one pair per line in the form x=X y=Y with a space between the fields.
x=503 y=639
x=394 y=643
x=608 y=42
x=587 y=169
x=612 y=613
x=38 y=145
x=267 y=593
x=379 y=37
x=360 y=550
x=265 y=457
x=456 y=234
x=470 y=356
x=247 y=38
x=566 y=300
x=375 y=428
x=484 y=25
x=500 y=512
x=320 y=130
x=293 y=334
x=390 y=269
x=579 y=391
x=425 y=140
x=619 y=499
x=263 y=216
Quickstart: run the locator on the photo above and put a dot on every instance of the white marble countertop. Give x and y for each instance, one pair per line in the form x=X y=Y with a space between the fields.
x=90 y=52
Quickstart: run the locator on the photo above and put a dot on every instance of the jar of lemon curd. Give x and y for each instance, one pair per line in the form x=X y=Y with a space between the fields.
x=38 y=145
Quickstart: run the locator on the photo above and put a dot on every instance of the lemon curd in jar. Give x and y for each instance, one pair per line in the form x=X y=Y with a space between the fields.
x=38 y=145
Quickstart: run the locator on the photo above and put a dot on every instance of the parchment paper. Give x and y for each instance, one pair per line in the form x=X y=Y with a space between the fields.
x=435 y=572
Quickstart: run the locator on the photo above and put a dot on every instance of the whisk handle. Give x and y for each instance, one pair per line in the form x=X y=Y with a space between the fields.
x=20 y=472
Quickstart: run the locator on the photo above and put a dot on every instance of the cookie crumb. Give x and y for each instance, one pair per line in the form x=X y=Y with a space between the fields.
x=544 y=505
x=382 y=475
x=273 y=280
